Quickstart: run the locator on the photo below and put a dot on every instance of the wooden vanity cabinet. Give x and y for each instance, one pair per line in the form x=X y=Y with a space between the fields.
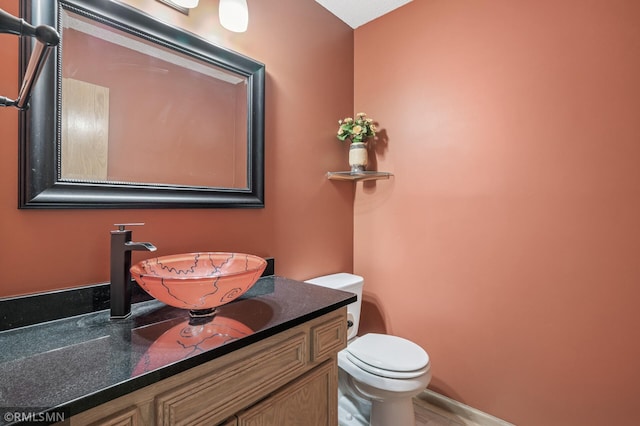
x=290 y=378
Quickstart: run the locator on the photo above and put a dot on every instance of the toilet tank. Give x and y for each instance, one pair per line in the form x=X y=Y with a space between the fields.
x=345 y=282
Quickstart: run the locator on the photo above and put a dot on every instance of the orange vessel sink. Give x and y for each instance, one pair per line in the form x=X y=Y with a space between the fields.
x=199 y=282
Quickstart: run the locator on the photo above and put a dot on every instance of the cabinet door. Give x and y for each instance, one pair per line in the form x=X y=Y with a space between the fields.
x=311 y=400
x=129 y=417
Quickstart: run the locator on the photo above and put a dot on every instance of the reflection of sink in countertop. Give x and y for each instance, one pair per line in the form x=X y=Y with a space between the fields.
x=189 y=338
x=155 y=345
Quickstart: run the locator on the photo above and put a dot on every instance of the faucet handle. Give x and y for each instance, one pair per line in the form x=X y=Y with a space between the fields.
x=122 y=225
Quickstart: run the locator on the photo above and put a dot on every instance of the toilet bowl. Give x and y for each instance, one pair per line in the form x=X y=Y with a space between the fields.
x=379 y=374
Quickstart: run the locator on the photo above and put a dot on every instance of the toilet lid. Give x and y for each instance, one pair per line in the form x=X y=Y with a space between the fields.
x=388 y=356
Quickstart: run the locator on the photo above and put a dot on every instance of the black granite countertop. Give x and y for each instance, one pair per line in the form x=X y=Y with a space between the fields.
x=74 y=364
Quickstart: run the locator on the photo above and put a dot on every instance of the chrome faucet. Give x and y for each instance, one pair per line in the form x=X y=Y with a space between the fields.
x=121 y=248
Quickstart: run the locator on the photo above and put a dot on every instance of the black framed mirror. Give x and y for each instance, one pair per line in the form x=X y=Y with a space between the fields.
x=130 y=112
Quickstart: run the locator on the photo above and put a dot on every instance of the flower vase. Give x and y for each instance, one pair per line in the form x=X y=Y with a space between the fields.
x=358 y=157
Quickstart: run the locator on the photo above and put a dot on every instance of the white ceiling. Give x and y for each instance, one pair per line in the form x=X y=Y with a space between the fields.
x=359 y=12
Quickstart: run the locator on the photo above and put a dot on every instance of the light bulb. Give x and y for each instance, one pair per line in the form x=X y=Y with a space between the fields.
x=189 y=4
x=234 y=15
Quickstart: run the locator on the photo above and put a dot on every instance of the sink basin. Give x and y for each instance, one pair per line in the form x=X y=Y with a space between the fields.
x=199 y=282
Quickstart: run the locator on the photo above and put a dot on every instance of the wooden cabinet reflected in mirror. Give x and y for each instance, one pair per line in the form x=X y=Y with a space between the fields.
x=148 y=115
x=84 y=129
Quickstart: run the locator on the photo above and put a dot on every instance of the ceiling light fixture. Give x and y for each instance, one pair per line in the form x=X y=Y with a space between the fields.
x=189 y=4
x=234 y=15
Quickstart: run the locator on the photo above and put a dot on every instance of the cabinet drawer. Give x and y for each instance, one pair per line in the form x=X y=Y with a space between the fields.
x=223 y=392
x=328 y=338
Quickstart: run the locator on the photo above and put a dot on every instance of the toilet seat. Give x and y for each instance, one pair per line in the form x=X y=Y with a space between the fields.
x=385 y=373
x=366 y=382
x=388 y=356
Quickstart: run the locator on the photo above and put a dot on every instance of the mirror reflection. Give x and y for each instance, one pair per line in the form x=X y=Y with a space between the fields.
x=137 y=112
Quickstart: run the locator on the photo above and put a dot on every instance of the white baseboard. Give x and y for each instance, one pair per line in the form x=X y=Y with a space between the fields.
x=456 y=412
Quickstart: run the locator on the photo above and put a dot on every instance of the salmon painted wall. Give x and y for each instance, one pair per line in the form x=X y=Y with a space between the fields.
x=307 y=224
x=508 y=242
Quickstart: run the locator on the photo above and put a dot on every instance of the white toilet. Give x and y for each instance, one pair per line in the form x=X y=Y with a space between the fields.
x=379 y=374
